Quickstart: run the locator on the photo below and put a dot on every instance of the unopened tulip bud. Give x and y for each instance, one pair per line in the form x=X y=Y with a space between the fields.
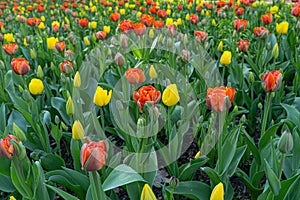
x=198 y=154
x=2 y=65
x=141 y=123
x=63 y=126
x=152 y=72
x=220 y=46
x=20 y=88
x=151 y=33
x=77 y=80
x=56 y=119
x=119 y=59
x=286 y=143
x=40 y=73
x=259 y=106
x=174 y=182
x=70 y=106
x=77 y=130
x=251 y=77
x=185 y=39
x=275 y=51
x=32 y=54
x=16 y=131
x=124 y=42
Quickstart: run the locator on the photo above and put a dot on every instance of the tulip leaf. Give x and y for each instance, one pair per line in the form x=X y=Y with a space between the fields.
x=60 y=105
x=121 y=175
x=51 y=162
x=266 y=137
x=273 y=180
x=294 y=190
x=2 y=117
x=286 y=185
x=192 y=189
x=252 y=147
x=6 y=184
x=293 y=114
x=187 y=171
x=62 y=193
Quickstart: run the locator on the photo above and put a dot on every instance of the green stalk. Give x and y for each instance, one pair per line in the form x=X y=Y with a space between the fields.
x=281 y=165
x=102 y=119
x=97 y=191
x=266 y=113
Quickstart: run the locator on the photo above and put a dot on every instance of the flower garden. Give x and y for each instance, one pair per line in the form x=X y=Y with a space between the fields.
x=128 y=99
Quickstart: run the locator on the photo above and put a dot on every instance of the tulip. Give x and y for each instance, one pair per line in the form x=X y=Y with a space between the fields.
x=282 y=28
x=41 y=26
x=197 y=155
x=119 y=59
x=6 y=147
x=226 y=58
x=174 y=182
x=152 y=72
x=102 y=97
x=267 y=18
x=194 y=19
x=274 y=9
x=126 y=26
x=243 y=45
x=147 y=193
x=86 y=41
x=286 y=143
x=135 y=76
x=272 y=81
x=84 y=22
x=261 y=32
x=161 y=13
x=93 y=156
x=10 y=49
x=122 y=11
x=16 y=131
x=40 y=72
x=101 y=35
x=106 y=29
x=169 y=21
x=275 y=51
x=33 y=21
x=9 y=37
x=220 y=46
x=114 y=17
x=51 y=42
x=20 y=66
x=139 y=29
x=60 y=46
x=93 y=25
x=218 y=192
x=12 y=198
x=213 y=22
x=296 y=11
x=219 y=98
x=66 y=67
x=77 y=80
x=70 y=106
x=36 y=86
x=158 y=24
x=240 y=24
x=77 y=130
x=148 y=20
x=200 y=36
x=239 y=11
x=146 y=94
x=170 y=96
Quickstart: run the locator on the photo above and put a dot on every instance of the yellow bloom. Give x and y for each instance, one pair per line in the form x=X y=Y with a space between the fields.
x=190 y=5
x=207 y=13
x=169 y=21
x=51 y=42
x=9 y=37
x=86 y=7
x=277 y=16
x=43 y=18
x=70 y=106
x=168 y=12
x=55 y=23
x=220 y=46
x=197 y=155
x=93 y=9
x=147 y=193
x=41 y=26
x=226 y=58
x=179 y=21
x=25 y=42
x=274 y=9
x=77 y=130
x=36 y=86
x=106 y=29
x=77 y=80
x=218 y=192
x=254 y=4
x=275 y=51
x=170 y=96
x=86 y=41
x=282 y=28
x=187 y=17
x=102 y=97
x=138 y=14
x=126 y=5
x=93 y=24
x=122 y=11
x=67 y=20
x=131 y=6
x=152 y=72
x=12 y=198
x=213 y=22
x=110 y=9
x=151 y=33
x=202 y=12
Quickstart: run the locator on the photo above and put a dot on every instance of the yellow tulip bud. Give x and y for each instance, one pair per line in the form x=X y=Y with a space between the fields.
x=106 y=29
x=77 y=80
x=170 y=96
x=168 y=12
x=218 y=192
x=275 y=51
x=197 y=155
x=147 y=193
x=41 y=26
x=226 y=58
x=77 y=130
x=25 y=42
x=213 y=22
x=43 y=18
x=40 y=73
x=70 y=106
x=122 y=11
x=12 y=198
x=220 y=46
x=169 y=21
x=151 y=33
x=187 y=17
x=86 y=41
x=152 y=72
x=36 y=86
x=102 y=97
x=138 y=14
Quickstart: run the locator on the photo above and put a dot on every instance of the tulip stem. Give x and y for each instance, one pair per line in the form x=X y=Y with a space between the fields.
x=102 y=119
x=266 y=113
x=281 y=165
x=97 y=191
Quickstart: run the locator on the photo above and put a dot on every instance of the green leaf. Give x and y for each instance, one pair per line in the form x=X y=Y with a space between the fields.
x=121 y=175
x=2 y=117
x=187 y=171
x=266 y=137
x=60 y=105
x=236 y=160
x=273 y=180
x=286 y=184
x=62 y=193
x=193 y=190
x=52 y=162
x=294 y=190
x=252 y=147
x=5 y=184
x=293 y=114
x=41 y=190
x=213 y=175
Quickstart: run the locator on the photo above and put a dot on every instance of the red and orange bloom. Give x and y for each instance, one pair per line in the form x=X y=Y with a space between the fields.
x=126 y=26
x=84 y=22
x=261 y=32
x=101 y=35
x=220 y=98
x=159 y=24
x=146 y=94
x=161 y=13
x=221 y=3
x=239 y=11
x=135 y=76
x=200 y=36
x=179 y=7
x=60 y=46
x=272 y=81
x=66 y=67
x=139 y=29
x=114 y=17
x=148 y=20
x=6 y=147
x=33 y=21
x=240 y=24
x=296 y=11
x=194 y=19
x=20 y=66
x=152 y=10
x=10 y=49
x=93 y=156
x=243 y=45
x=267 y=18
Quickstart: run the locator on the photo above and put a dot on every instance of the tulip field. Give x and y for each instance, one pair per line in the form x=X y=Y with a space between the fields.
x=146 y=100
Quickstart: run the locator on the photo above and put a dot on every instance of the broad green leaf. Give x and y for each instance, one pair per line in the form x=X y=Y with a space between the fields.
x=266 y=137
x=41 y=190
x=62 y=193
x=273 y=180
x=252 y=147
x=5 y=184
x=236 y=160
x=294 y=190
x=293 y=114
x=51 y=162
x=187 y=171
x=60 y=105
x=2 y=117
x=213 y=175
x=286 y=184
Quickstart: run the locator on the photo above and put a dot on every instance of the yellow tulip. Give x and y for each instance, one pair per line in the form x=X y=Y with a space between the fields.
x=77 y=80
x=67 y=20
x=213 y=22
x=220 y=46
x=131 y=6
x=9 y=37
x=12 y=198
x=122 y=11
x=43 y=18
x=70 y=106
x=41 y=26
x=207 y=13
x=77 y=130
x=55 y=23
x=152 y=72
x=102 y=97
x=218 y=192
x=93 y=25
x=147 y=193
x=197 y=155
x=151 y=33
x=190 y=5
x=51 y=42
x=187 y=17
x=226 y=58
x=36 y=86
x=126 y=5
x=169 y=21
x=168 y=12
x=282 y=28
x=86 y=41
x=170 y=96
x=138 y=14
x=106 y=29
x=179 y=21
x=93 y=9
x=110 y=9
x=25 y=42
x=274 y=9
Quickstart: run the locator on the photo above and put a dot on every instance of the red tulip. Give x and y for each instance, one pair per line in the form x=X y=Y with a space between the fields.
x=221 y=4
x=93 y=156
x=10 y=49
x=84 y=22
x=148 y=20
x=219 y=98
x=139 y=29
x=135 y=76
x=60 y=46
x=114 y=17
x=126 y=26
x=179 y=7
x=240 y=24
x=161 y=13
x=20 y=66
x=267 y=18
x=101 y=35
x=200 y=36
x=296 y=11
x=33 y=21
x=261 y=32
x=6 y=147
x=272 y=81
x=66 y=67
x=243 y=45
x=146 y=94
x=158 y=24
x=194 y=19
x=239 y=11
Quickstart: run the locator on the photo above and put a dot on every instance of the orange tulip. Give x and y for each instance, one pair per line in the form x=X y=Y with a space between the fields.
x=10 y=49
x=240 y=24
x=239 y=11
x=272 y=81
x=148 y=20
x=60 y=46
x=261 y=32
x=66 y=67
x=135 y=76
x=200 y=36
x=267 y=18
x=161 y=13
x=93 y=156
x=243 y=45
x=20 y=66
x=296 y=11
x=84 y=22
x=6 y=147
x=194 y=19
x=126 y=26
x=101 y=35
x=114 y=17
x=139 y=29
x=33 y=21
x=146 y=94
x=219 y=98
x=158 y=24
